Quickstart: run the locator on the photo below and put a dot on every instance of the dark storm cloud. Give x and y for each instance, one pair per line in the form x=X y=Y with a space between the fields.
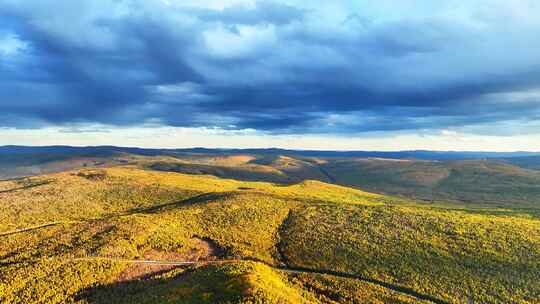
x=269 y=66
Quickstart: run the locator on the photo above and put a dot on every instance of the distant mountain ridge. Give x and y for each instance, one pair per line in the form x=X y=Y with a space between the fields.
x=413 y=154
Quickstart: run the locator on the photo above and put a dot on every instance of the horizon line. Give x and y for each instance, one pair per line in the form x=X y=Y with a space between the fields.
x=271 y=148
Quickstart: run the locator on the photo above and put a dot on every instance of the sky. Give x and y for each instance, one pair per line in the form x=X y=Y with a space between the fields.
x=332 y=75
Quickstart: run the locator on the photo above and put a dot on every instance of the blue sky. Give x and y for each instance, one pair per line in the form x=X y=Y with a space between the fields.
x=388 y=75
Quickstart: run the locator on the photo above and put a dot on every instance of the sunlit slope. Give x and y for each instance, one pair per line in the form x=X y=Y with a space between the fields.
x=297 y=169
x=241 y=223
x=488 y=257
x=245 y=172
x=97 y=193
x=349 y=246
x=277 y=169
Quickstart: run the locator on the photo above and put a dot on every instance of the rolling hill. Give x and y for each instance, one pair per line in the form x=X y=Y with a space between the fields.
x=479 y=181
x=507 y=179
x=504 y=179
x=127 y=234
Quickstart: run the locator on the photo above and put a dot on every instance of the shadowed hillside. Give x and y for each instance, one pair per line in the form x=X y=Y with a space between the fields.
x=470 y=181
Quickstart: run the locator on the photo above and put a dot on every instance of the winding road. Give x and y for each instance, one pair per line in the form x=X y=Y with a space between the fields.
x=286 y=269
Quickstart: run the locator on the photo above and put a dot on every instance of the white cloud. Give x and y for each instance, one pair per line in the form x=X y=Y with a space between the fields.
x=11 y=45
x=214 y=4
